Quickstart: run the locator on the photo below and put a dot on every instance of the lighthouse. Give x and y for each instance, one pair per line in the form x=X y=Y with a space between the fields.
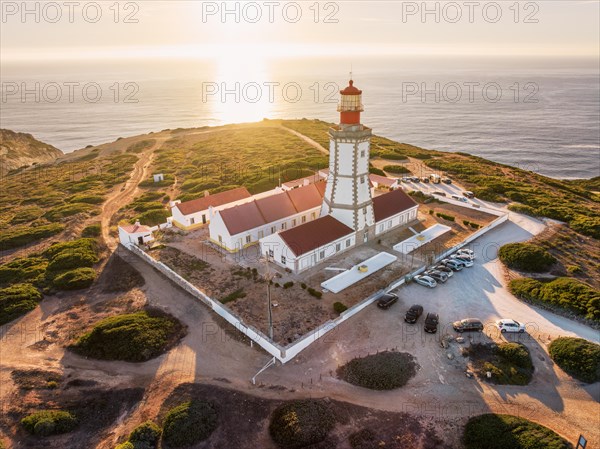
x=348 y=192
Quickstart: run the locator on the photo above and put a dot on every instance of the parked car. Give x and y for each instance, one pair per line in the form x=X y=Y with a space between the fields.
x=413 y=314
x=437 y=192
x=459 y=198
x=444 y=269
x=416 y=179
x=425 y=179
x=463 y=260
x=406 y=179
x=468 y=325
x=387 y=300
x=431 y=322
x=508 y=325
x=465 y=253
x=447 y=181
x=425 y=280
x=437 y=275
x=469 y=194
x=452 y=264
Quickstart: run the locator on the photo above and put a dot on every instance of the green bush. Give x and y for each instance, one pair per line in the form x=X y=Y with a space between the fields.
x=382 y=371
x=67 y=210
x=301 y=423
x=303 y=286
x=27 y=215
x=134 y=337
x=87 y=198
x=526 y=257
x=339 y=307
x=509 y=363
x=446 y=217
x=398 y=169
x=17 y=300
x=76 y=279
x=93 y=230
x=376 y=171
x=26 y=269
x=126 y=445
x=239 y=293
x=312 y=292
x=22 y=235
x=574 y=269
x=493 y=431
x=522 y=209
x=49 y=422
x=566 y=293
x=145 y=436
x=586 y=225
x=577 y=357
x=189 y=423
x=153 y=217
x=288 y=284
x=72 y=259
x=87 y=245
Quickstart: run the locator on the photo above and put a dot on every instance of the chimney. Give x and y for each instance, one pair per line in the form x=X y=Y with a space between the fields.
x=206 y=193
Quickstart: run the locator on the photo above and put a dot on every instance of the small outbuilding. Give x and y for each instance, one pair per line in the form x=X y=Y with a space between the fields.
x=136 y=234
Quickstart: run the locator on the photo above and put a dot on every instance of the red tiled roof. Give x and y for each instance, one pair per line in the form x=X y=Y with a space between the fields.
x=392 y=203
x=242 y=218
x=300 y=182
x=218 y=199
x=382 y=180
x=276 y=207
x=131 y=229
x=306 y=197
x=272 y=208
x=314 y=234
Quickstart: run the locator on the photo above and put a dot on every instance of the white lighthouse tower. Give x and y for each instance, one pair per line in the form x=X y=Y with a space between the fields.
x=348 y=193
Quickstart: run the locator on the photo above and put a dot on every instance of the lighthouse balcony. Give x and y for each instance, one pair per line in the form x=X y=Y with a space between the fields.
x=357 y=131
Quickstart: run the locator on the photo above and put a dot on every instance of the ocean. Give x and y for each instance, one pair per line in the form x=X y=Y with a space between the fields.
x=538 y=114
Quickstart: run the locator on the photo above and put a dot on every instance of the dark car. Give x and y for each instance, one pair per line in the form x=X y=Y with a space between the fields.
x=437 y=192
x=468 y=325
x=437 y=275
x=425 y=179
x=443 y=269
x=447 y=181
x=413 y=314
x=387 y=300
x=431 y=322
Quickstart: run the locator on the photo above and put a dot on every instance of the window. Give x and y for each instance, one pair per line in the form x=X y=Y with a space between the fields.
x=294 y=222
x=389 y=224
x=283 y=260
x=270 y=253
x=380 y=228
x=273 y=229
x=313 y=215
x=365 y=211
x=303 y=218
x=192 y=220
x=362 y=153
x=261 y=234
x=248 y=239
x=362 y=179
x=338 y=246
x=348 y=243
x=220 y=239
x=283 y=226
x=322 y=255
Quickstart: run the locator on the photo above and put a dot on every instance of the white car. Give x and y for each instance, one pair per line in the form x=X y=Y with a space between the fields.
x=466 y=253
x=454 y=265
x=425 y=280
x=460 y=259
x=508 y=325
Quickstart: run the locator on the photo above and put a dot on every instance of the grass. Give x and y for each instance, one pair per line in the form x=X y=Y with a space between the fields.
x=17 y=236
x=49 y=422
x=133 y=337
x=17 y=300
x=301 y=423
x=382 y=371
x=36 y=379
x=240 y=293
x=189 y=423
x=526 y=257
x=577 y=357
x=509 y=363
x=563 y=293
x=493 y=431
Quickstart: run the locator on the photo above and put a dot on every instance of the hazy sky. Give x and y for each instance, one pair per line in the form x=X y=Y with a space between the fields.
x=198 y=29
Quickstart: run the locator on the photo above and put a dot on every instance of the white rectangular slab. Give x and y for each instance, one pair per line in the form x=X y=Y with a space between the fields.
x=414 y=242
x=344 y=280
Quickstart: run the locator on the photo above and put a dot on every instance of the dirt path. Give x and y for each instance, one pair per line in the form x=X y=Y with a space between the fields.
x=123 y=196
x=308 y=140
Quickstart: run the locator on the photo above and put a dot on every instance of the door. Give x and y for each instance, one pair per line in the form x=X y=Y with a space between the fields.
x=140 y=240
x=203 y=218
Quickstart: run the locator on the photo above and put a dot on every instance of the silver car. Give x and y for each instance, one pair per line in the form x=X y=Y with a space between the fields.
x=427 y=281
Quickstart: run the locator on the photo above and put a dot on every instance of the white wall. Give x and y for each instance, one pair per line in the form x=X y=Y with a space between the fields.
x=396 y=220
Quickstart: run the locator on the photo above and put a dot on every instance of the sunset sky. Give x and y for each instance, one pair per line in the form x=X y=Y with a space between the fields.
x=177 y=29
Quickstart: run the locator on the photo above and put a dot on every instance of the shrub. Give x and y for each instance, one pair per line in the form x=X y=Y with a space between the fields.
x=312 y=292
x=92 y=230
x=509 y=363
x=134 y=337
x=67 y=210
x=303 y=286
x=240 y=293
x=526 y=257
x=522 y=209
x=383 y=371
x=49 y=422
x=26 y=269
x=301 y=423
x=145 y=436
x=17 y=300
x=86 y=198
x=376 y=171
x=76 y=279
x=153 y=217
x=446 y=217
x=125 y=445
x=574 y=269
x=586 y=225
x=363 y=439
x=189 y=423
x=566 y=293
x=339 y=307
x=72 y=259
x=288 y=284
x=396 y=169
x=577 y=357
x=493 y=431
x=22 y=235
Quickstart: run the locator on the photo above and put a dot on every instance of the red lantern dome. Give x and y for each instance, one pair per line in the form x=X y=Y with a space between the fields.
x=350 y=105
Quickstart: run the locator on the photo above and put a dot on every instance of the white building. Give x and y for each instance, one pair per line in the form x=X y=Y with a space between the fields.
x=235 y=228
x=135 y=234
x=195 y=213
x=383 y=182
